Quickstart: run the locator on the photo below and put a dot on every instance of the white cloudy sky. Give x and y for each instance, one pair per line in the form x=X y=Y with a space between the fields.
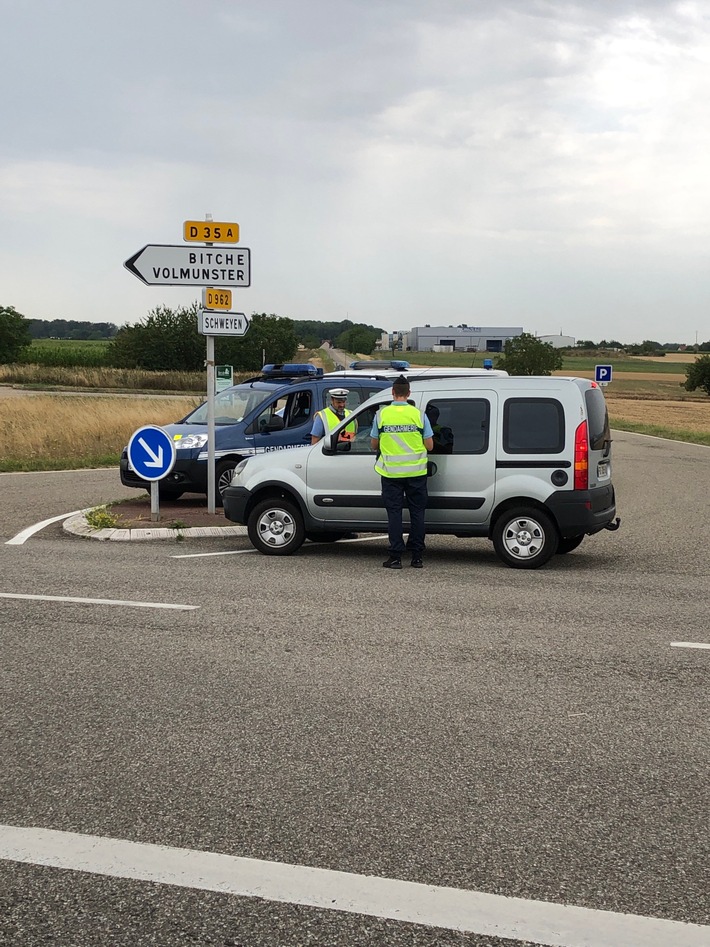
x=542 y=163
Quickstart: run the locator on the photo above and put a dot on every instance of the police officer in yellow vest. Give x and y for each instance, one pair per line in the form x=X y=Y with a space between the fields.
x=331 y=416
x=402 y=438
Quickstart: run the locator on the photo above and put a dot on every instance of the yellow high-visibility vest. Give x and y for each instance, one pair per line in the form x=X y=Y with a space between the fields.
x=402 y=451
x=330 y=420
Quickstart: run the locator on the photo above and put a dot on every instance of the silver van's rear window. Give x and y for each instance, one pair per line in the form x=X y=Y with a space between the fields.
x=598 y=418
x=533 y=426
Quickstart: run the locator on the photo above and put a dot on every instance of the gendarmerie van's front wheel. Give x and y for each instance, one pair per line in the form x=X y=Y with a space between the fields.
x=276 y=527
x=525 y=539
x=223 y=477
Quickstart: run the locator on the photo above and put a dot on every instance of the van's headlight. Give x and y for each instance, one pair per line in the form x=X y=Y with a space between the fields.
x=190 y=442
x=240 y=466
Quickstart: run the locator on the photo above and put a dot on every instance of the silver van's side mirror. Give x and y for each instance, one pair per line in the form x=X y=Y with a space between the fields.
x=330 y=443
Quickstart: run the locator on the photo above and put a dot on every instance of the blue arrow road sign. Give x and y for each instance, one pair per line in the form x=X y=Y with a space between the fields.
x=151 y=452
x=602 y=374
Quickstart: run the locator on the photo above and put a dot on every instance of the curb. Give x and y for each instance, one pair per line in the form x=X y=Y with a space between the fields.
x=78 y=526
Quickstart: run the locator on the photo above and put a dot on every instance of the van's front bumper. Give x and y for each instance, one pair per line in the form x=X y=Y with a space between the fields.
x=583 y=512
x=235 y=501
x=189 y=474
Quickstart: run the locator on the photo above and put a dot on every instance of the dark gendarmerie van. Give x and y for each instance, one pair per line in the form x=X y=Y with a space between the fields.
x=271 y=412
x=522 y=461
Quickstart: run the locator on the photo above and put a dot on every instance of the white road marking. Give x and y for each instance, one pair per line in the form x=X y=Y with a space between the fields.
x=543 y=922
x=205 y=555
x=97 y=601
x=241 y=552
x=22 y=537
x=689 y=644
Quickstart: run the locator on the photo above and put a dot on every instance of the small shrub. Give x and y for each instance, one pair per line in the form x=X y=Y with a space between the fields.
x=101 y=518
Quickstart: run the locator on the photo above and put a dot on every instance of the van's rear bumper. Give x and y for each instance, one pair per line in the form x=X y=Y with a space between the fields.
x=579 y=512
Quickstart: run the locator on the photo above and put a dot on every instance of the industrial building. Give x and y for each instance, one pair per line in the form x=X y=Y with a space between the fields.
x=558 y=341
x=450 y=338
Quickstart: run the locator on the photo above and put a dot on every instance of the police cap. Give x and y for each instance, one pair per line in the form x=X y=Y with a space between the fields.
x=339 y=393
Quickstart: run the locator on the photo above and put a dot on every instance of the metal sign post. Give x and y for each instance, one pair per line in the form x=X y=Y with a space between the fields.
x=211 y=505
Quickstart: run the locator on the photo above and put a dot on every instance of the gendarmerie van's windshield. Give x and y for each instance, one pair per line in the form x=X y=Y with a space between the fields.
x=230 y=406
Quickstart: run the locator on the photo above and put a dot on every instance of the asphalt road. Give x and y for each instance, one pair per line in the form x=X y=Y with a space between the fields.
x=528 y=734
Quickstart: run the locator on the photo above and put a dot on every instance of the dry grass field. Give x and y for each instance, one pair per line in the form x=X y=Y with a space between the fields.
x=50 y=432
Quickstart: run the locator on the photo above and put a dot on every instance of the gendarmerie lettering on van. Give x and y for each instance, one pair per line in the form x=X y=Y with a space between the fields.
x=522 y=461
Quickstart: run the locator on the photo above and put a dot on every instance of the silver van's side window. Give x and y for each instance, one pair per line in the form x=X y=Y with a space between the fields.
x=533 y=426
x=460 y=425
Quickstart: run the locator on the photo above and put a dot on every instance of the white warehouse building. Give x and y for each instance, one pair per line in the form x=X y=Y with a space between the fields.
x=558 y=341
x=461 y=338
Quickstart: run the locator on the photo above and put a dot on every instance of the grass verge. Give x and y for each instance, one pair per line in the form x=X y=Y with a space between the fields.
x=657 y=430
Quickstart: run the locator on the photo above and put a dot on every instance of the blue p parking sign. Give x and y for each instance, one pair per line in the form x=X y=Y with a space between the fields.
x=151 y=452
x=602 y=374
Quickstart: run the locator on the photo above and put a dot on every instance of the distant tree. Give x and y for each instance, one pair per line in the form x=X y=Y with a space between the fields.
x=704 y=346
x=14 y=334
x=168 y=340
x=165 y=340
x=270 y=337
x=311 y=333
x=358 y=339
x=70 y=329
x=586 y=344
x=698 y=375
x=526 y=355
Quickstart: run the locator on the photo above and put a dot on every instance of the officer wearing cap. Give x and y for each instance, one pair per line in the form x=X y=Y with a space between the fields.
x=331 y=416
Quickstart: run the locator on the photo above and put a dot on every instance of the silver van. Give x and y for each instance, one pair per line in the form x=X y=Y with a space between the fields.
x=522 y=461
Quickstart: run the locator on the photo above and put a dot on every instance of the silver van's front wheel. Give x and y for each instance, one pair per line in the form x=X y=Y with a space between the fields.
x=525 y=539
x=276 y=527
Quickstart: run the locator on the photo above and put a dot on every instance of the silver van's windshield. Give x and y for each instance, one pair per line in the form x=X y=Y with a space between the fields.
x=230 y=406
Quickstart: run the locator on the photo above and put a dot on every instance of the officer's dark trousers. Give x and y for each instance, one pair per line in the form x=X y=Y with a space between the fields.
x=394 y=492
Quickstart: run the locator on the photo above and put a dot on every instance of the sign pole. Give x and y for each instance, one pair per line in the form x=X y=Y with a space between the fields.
x=154 y=502
x=210 y=425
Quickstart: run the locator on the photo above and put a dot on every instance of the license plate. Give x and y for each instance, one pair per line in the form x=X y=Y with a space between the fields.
x=603 y=469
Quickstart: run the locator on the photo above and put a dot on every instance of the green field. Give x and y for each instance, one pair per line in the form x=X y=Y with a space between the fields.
x=571 y=363
x=66 y=353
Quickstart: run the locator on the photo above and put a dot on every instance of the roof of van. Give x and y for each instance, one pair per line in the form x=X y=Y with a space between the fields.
x=414 y=373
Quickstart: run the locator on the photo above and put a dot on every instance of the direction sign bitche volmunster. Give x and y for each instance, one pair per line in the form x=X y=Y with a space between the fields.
x=151 y=452
x=170 y=265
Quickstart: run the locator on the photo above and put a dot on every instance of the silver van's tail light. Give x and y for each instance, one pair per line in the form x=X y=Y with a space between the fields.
x=581 y=457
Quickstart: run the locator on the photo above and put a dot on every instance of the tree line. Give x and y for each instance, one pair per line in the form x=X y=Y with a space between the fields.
x=167 y=339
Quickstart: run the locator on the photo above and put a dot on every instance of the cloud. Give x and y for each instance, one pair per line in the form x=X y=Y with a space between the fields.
x=521 y=161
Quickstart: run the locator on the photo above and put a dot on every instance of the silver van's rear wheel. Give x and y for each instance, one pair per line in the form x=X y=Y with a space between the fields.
x=525 y=538
x=276 y=527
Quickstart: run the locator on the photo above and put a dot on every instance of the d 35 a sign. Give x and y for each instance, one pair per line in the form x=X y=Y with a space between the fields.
x=210 y=231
